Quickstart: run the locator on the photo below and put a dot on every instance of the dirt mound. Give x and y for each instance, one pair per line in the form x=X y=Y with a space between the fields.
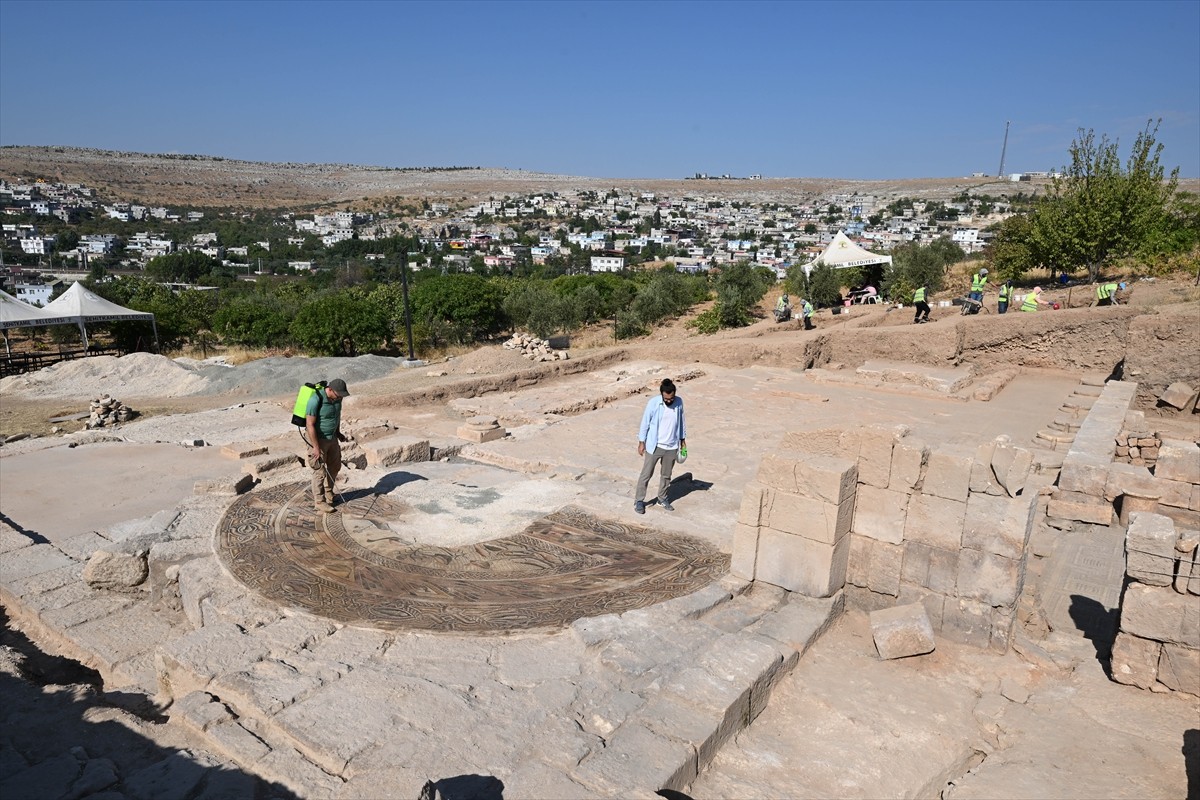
x=134 y=375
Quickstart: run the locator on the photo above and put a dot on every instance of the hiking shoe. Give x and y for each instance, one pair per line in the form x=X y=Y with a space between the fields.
x=324 y=507
x=639 y=506
x=666 y=505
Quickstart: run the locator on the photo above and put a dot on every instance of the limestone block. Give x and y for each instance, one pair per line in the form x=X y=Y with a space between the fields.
x=935 y=521
x=1077 y=506
x=109 y=570
x=1184 y=519
x=224 y=487
x=481 y=429
x=908 y=457
x=1178 y=461
x=398 y=449
x=875 y=454
x=25 y=562
x=755 y=498
x=264 y=465
x=988 y=578
x=778 y=471
x=902 y=631
x=268 y=686
x=825 y=478
x=1010 y=466
x=911 y=593
x=810 y=518
x=998 y=525
x=635 y=756
x=745 y=661
x=967 y=621
x=814 y=569
x=1179 y=395
x=190 y=662
x=883 y=571
x=947 y=476
x=859 y=561
x=243 y=451
x=1127 y=478
x=1150 y=549
x=1179 y=668
x=1159 y=613
x=1134 y=660
x=745 y=550
x=1084 y=475
x=983 y=480
x=799 y=623
x=880 y=513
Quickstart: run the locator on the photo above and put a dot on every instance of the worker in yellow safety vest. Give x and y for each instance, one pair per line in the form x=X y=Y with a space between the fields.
x=978 y=285
x=1106 y=294
x=922 y=306
x=1033 y=300
x=1005 y=295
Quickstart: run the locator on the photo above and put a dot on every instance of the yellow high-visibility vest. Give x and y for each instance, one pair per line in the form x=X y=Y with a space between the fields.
x=919 y=295
x=978 y=282
x=1105 y=290
x=1030 y=303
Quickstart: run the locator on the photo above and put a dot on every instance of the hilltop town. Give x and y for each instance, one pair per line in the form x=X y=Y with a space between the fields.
x=694 y=225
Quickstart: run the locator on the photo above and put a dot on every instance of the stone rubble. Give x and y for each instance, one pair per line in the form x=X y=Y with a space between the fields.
x=535 y=349
x=107 y=411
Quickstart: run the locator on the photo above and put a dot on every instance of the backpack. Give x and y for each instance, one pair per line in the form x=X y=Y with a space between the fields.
x=302 y=397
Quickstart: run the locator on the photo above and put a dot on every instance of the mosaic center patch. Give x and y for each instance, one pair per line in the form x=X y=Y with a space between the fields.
x=354 y=568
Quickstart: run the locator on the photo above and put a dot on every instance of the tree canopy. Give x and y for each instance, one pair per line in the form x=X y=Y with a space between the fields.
x=1099 y=211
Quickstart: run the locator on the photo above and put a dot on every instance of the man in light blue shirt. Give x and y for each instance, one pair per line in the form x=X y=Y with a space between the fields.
x=661 y=437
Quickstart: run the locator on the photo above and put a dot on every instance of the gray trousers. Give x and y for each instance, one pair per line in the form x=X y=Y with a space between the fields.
x=668 y=463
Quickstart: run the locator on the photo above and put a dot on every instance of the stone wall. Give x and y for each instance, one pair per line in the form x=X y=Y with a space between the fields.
x=893 y=521
x=1158 y=644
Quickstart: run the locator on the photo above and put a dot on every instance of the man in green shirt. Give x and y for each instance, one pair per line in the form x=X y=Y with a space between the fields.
x=323 y=418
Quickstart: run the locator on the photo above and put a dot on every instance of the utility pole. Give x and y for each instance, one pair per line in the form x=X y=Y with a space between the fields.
x=411 y=361
x=1004 y=149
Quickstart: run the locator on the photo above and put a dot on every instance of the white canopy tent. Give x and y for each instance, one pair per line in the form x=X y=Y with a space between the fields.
x=842 y=253
x=15 y=314
x=80 y=306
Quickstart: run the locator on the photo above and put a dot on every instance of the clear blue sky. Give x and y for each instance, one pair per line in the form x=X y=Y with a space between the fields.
x=608 y=89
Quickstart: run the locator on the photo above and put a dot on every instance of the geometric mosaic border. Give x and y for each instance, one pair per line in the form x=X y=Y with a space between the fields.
x=564 y=566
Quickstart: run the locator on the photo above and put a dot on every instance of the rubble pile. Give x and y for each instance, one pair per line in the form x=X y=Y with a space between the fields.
x=535 y=349
x=108 y=411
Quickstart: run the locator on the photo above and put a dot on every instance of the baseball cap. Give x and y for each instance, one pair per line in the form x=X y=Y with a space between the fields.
x=339 y=386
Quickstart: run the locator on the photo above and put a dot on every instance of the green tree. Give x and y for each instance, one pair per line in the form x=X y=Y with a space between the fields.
x=344 y=323
x=253 y=321
x=1099 y=211
x=739 y=287
x=470 y=307
x=186 y=267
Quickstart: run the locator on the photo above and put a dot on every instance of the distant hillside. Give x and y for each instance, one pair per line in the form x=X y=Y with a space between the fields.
x=215 y=181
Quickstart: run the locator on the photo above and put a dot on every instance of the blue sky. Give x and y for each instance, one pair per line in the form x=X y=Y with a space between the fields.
x=608 y=89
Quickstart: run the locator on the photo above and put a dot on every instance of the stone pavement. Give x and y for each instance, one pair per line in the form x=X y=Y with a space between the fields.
x=609 y=705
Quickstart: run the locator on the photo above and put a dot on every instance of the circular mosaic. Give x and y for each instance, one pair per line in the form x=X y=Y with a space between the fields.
x=354 y=567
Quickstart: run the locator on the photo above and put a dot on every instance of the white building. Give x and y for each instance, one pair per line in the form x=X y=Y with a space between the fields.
x=608 y=263
x=34 y=294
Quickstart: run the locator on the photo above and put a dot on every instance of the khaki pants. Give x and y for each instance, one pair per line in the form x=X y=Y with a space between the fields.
x=667 y=457
x=331 y=463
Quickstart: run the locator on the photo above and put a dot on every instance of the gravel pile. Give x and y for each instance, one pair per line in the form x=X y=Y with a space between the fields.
x=145 y=375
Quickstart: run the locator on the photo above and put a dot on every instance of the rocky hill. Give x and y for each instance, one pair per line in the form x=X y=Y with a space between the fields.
x=215 y=181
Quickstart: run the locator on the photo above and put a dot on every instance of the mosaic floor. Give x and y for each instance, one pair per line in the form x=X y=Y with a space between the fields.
x=352 y=567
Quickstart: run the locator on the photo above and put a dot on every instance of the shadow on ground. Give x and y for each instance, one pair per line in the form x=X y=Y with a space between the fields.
x=61 y=736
